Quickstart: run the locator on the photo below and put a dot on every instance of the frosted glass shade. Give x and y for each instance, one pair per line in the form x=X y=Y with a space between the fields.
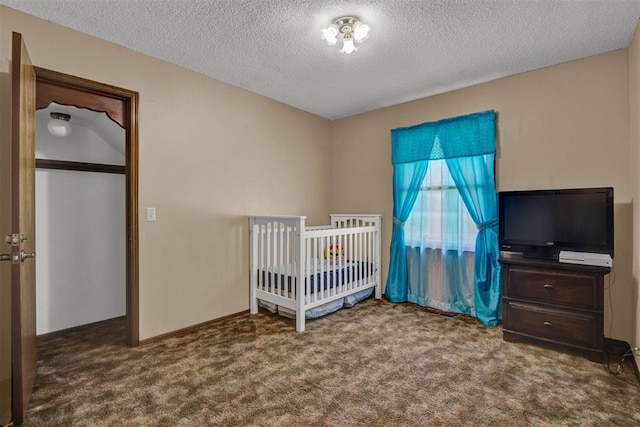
x=59 y=127
x=360 y=32
x=348 y=46
x=330 y=34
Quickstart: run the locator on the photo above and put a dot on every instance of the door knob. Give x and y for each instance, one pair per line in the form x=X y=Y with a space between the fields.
x=24 y=255
x=13 y=257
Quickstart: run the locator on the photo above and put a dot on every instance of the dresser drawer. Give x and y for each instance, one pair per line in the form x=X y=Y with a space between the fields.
x=552 y=286
x=576 y=328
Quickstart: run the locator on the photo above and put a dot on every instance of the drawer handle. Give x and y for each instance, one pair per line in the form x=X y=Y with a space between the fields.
x=548 y=287
x=548 y=324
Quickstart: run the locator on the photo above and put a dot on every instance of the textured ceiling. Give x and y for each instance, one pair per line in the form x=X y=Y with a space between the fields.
x=416 y=49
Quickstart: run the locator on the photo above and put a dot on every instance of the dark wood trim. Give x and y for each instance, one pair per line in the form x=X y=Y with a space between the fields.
x=188 y=329
x=78 y=92
x=80 y=166
x=133 y=256
x=122 y=106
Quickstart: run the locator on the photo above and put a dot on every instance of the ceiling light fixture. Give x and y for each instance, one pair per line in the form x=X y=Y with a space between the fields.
x=59 y=124
x=352 y=30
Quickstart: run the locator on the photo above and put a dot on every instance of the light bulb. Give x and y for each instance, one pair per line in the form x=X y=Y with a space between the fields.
x=348 y=46
x=59 y=124
x=360 y=32
x=330 y=34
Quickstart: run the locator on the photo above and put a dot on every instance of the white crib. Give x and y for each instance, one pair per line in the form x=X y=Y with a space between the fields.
x=291 y=270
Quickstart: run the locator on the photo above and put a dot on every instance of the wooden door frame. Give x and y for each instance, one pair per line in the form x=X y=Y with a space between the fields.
x=70 y=90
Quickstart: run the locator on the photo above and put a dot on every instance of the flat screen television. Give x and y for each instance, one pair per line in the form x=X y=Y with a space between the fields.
x=542 y=223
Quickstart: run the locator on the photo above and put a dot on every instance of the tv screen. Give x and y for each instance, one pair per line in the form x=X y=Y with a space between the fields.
x=542 y=223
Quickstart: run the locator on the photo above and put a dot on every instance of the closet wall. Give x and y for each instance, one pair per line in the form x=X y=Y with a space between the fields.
x=80 y=229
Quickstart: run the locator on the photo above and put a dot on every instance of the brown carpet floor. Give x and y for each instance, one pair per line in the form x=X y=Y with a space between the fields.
x=375 y=364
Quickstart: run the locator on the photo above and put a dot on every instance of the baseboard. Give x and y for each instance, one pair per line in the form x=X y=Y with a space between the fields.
x=183 y=331
x=61 y=332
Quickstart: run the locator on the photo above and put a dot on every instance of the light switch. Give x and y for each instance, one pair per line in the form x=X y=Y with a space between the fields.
x=151 y=214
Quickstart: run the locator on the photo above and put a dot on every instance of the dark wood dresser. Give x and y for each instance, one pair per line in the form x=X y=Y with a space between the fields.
x=555 y=303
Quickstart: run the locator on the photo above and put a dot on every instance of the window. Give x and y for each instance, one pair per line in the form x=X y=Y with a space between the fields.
x=439 y=219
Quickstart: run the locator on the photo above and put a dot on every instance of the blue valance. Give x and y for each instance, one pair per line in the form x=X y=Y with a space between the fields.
x=462 y=136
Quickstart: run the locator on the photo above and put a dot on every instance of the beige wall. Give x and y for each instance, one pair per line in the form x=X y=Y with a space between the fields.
x=634 y=161
x=210 y=154
x=559 y=127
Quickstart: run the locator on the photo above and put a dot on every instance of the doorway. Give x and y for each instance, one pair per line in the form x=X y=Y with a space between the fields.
x=80 y=219
x=121 y=106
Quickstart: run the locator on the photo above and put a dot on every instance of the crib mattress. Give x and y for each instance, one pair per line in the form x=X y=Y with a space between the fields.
x=321 y=276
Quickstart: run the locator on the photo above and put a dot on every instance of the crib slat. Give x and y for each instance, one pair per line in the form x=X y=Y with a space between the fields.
x=342 y=267
x=282 y=267
x=287 y=259
x=307 y=284
x=327 y=269
x=275 y=281
x=268 y=266
x=370 y=256
x=351 y=260
x=332 y=289
x=302 y=267
x=277 y=255
x=327 y=276
x=360 y=257
x=274 y=257
x=295 y=265
x=316 y=241
x=363 y=258
x=340 y=271
x=253 y=273
x=260 y=259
